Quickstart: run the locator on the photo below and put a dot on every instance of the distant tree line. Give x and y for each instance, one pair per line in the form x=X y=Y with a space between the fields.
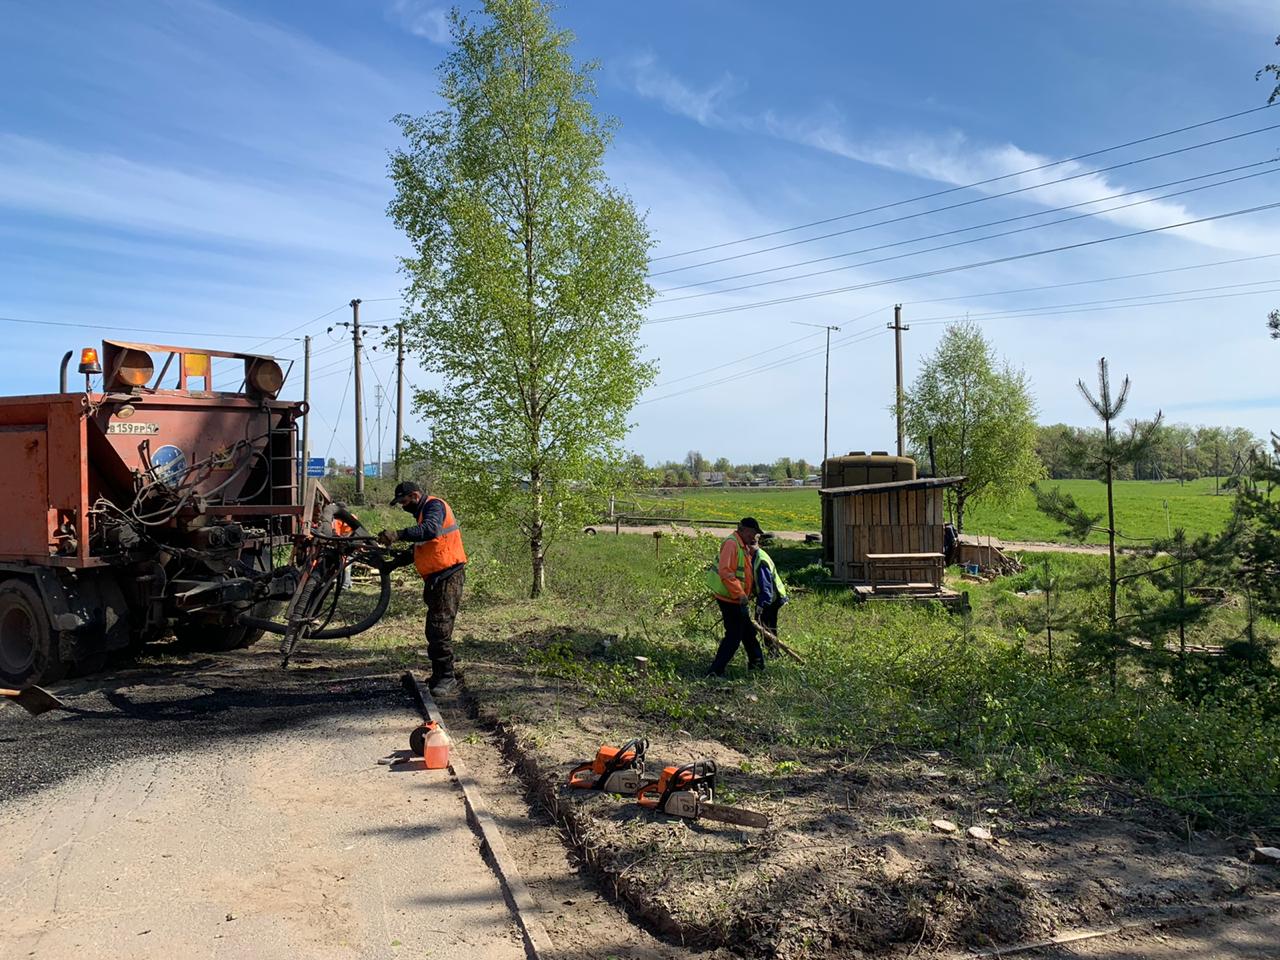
x=696 y=470
x=1176 y=451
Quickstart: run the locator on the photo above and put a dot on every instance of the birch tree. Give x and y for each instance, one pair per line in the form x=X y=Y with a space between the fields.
x=527 y=280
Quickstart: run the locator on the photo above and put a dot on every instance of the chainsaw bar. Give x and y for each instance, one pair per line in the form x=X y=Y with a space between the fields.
x=735 y=815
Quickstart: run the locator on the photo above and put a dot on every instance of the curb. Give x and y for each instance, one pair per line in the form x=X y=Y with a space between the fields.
x=536 y=940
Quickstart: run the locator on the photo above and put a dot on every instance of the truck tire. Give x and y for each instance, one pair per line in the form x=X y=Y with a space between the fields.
x=29 y=647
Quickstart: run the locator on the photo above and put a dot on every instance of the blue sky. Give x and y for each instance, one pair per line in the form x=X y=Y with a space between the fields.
x=176 y=170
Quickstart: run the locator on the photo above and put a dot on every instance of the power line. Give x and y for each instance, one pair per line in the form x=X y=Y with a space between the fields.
x=1065 y=309
x=856 y=337
x=1118 y=303
x=979 y=226
x=968 y=203
x=967 y=186
x=961 y=267
x=338 y=419
x=752 y=356
x=1079 y=283
x=113 y=326
x=963 y=243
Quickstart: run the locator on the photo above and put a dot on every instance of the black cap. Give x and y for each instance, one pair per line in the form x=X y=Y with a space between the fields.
x=751 y=524
x=403 y=489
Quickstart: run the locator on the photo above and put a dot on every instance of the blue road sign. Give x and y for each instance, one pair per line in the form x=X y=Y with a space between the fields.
x=370 y=469
x=315 y=467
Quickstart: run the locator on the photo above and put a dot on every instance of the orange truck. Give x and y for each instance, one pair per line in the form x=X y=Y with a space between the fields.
x=154 y=504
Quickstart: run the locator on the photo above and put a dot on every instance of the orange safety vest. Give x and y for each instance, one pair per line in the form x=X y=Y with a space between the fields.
x=445 y=551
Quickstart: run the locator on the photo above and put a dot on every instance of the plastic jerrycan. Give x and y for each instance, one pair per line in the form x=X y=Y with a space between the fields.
x=435 y=747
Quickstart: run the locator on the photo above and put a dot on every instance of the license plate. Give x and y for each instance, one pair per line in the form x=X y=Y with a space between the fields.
x=131 y=429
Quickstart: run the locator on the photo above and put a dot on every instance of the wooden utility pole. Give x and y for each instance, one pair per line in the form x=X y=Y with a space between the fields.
x=355 y=339
x=399 y=393
x=306 y=399
x=826 y=384
x=377 y=402
x=897 y=328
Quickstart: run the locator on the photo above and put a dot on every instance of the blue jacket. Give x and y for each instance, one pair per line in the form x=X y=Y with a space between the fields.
x=766 y=587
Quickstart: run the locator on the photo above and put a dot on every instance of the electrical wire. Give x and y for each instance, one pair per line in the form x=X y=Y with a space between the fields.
x=1079 y=283
x=979 y=226
x=966 y=186
x=752 y=356
x=969 y=203
x=114 y=326
x=855 y=337
x=962 y=267
x=338 y=419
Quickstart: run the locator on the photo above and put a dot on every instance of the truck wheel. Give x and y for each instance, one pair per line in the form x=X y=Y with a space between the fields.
x=28 y=646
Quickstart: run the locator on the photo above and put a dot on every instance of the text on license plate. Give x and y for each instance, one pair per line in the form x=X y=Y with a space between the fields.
x=129 y=428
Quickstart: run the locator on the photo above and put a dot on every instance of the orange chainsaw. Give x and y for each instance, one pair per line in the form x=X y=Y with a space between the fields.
x=614 y=770
x=689 y=792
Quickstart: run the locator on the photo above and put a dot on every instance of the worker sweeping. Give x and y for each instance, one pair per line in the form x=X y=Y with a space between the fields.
x=732 y=582
x=441 y=560
x=770 y=593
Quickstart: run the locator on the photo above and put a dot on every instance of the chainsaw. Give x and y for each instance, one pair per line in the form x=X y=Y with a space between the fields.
x=614 y=769
x=689 y=792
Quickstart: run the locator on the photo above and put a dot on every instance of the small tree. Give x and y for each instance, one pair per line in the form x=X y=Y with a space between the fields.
x=527 y=280
x=1273 y=324
x=1105 y=455
x=981 y=416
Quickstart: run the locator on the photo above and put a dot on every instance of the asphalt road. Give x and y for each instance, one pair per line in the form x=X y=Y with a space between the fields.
x=221 y=810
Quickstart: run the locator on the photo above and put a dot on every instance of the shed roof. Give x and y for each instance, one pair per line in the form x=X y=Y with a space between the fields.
x=921 y=483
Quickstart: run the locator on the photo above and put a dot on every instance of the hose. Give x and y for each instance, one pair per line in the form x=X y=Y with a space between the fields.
x=335 y=633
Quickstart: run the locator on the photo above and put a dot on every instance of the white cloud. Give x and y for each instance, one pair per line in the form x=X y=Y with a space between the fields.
x=654 y=82
x=954 y=159
x=422 y=18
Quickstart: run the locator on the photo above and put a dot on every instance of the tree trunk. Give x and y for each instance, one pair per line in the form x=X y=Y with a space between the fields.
x=1111 y=556
x=537 y=548
x=959 y=514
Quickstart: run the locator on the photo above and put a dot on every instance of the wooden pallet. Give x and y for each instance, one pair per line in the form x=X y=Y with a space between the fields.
x=916 y=592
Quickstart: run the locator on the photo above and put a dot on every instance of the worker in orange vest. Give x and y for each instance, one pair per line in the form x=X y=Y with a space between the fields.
x=732 y=582
x=442 y=562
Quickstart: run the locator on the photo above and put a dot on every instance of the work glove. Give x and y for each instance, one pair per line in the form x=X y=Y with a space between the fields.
x=388 y=537
x=745 y=604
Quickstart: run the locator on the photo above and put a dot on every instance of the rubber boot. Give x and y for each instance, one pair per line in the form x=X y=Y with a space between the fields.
x=443 y=682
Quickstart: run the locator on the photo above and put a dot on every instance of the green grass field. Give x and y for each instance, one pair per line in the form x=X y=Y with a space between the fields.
x=1140 y=509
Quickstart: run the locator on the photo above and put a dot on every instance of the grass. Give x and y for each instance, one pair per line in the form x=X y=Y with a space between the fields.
x=879 y=676
x=1140 y=509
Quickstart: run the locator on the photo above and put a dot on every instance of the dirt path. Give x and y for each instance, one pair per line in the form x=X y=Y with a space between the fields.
x=685 y=530
x=284 y=839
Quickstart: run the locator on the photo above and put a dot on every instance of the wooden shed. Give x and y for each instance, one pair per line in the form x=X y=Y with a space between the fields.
x=888 y=536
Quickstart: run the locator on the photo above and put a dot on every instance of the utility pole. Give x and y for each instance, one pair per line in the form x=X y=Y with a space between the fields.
x=897 y=329
x=355 y=339
x=306 y=399
x=1216 y=467
x=399 y=393
x=826 y=383
x=377 y=402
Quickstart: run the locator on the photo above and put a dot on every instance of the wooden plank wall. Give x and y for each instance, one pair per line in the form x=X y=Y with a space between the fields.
x=896 y=521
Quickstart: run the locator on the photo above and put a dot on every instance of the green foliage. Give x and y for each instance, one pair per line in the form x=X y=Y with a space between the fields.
x=981 y=417
x=1077 y=523
x=527 y=280
x=1142 y=503
x=1274 y=70
x=888 y=677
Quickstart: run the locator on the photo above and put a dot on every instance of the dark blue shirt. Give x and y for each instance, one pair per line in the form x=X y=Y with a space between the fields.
x=430 y=522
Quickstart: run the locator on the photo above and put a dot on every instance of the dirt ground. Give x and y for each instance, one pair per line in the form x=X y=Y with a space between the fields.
x=850 y=865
